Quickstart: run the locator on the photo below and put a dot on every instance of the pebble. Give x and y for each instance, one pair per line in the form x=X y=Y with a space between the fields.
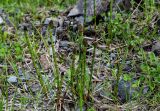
x=1 y=11
x=125 y=90
x=12 y=80
x=112 y=56
x=48 y=21
x=1 y=20
x=156 y=48
x=23 y=77
x=80 y=19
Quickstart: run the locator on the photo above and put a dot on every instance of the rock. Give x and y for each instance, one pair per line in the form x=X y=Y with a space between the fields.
x=35 y=87
x=158 y=25
x=25 y=26
x=78 y=10
x=75 y=27
x=123 y=4
x=12 y=80
x=125 y=90
x=128 y=67
x=23 y=76
x=47 y=21
x=101 y=6
x=8 y=22
x=79 y=109
x=1 y=20
x=156 y=48
x=1 y=11
x=145 y=90
x=113 y=56
x=50 y=51
x=54 y=36
x=44 y=30
x=80 y=19
x=45 y=63
x=37 y=24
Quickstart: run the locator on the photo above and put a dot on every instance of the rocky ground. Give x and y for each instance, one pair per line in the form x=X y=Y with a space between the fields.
x=126 y=60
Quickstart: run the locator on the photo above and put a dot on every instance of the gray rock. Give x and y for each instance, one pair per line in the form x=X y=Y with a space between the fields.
x=80 y=19
x=125 y=90
x=35 y=87
x=25 y=26
x=83 y=109
x=64 y=44
x=123 y=4
x=1 y=20
x=23 y=76
x=8 y=22
x=101 y=6
x=145 y=90
x=75 y=27
x=156 y=48
x=37 y=23
x=44 y=30
x=1 y=11
x=50 y=51
x=47 y=21
x=112 y=56
x=79 y=10
x=12 y=80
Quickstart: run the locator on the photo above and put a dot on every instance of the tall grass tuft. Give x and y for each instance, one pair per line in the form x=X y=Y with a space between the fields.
x=33 y=57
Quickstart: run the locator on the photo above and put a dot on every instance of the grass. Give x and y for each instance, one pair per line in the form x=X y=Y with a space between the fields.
x=79 y=79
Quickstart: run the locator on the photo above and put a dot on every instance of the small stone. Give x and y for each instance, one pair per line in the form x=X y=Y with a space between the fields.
x=145 y=90
x=61 y=21
x=44 y=30
x=156 y=48
x=45 y=78
x=83 y=109
x=64 y=44
x=123 y=4
x=59 y=30
x=55 y=22
x=1 y=20
x=66 y=23
x=24 y=26
x=75 y=11
x=158 y=23
x=35 y=87
x=75 y=27
x=48 y=21
x=101 y=6
x=80 y=19
x=125 y=90
x=37 y=23
x=50 y=51
x=1 y=11
x=128 y=62
x=12 y=80
x=23 y=77
x=112 y=56
x=8 y=22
